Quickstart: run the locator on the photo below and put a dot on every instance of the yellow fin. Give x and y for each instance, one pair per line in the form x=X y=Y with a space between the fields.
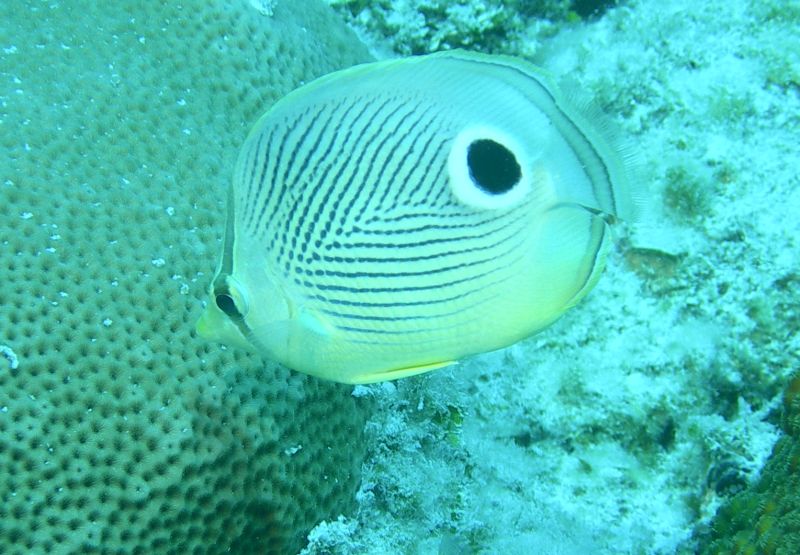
x=399 y=373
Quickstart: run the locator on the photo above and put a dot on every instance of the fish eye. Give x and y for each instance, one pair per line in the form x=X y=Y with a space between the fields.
x=230 y=298
x=487 y=168
x=492 y=166
x=227 y=305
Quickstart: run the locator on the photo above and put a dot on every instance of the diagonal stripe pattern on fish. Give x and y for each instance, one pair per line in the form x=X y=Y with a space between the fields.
x=394 y=217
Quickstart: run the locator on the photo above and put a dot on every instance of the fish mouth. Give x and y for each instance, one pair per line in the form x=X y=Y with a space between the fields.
x=217 y=327
x=206 y=325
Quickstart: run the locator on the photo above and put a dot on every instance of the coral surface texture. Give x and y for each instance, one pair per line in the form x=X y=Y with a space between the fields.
x=120 y=430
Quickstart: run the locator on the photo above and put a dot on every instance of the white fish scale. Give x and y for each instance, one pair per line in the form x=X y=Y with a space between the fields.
x=365 y=246
x=329 y=216
x=353 y=175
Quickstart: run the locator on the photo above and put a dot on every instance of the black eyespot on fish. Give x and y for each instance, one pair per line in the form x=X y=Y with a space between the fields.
x=225 y=304
x=492 y=166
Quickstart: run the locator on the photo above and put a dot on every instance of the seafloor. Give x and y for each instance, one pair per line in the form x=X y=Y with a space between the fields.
x=624 y=426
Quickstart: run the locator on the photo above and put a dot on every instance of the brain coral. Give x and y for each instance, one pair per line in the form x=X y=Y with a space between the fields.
x=765 y=519
x=120 y=431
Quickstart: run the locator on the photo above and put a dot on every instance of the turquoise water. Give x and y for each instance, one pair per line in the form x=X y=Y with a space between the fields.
x=621 y=428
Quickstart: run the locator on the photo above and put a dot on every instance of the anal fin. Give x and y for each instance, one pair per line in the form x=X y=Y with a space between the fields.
x=373 y=377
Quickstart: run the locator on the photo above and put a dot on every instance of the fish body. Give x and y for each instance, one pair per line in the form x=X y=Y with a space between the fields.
x=395 y=217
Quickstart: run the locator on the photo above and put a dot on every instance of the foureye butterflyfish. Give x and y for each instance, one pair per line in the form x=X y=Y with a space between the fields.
x=398 y=216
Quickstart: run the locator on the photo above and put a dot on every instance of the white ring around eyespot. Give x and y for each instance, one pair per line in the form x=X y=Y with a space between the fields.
x=462 y=184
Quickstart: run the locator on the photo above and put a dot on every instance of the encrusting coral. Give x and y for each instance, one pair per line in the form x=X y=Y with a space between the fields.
x=120 y=431
x=765 y=518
